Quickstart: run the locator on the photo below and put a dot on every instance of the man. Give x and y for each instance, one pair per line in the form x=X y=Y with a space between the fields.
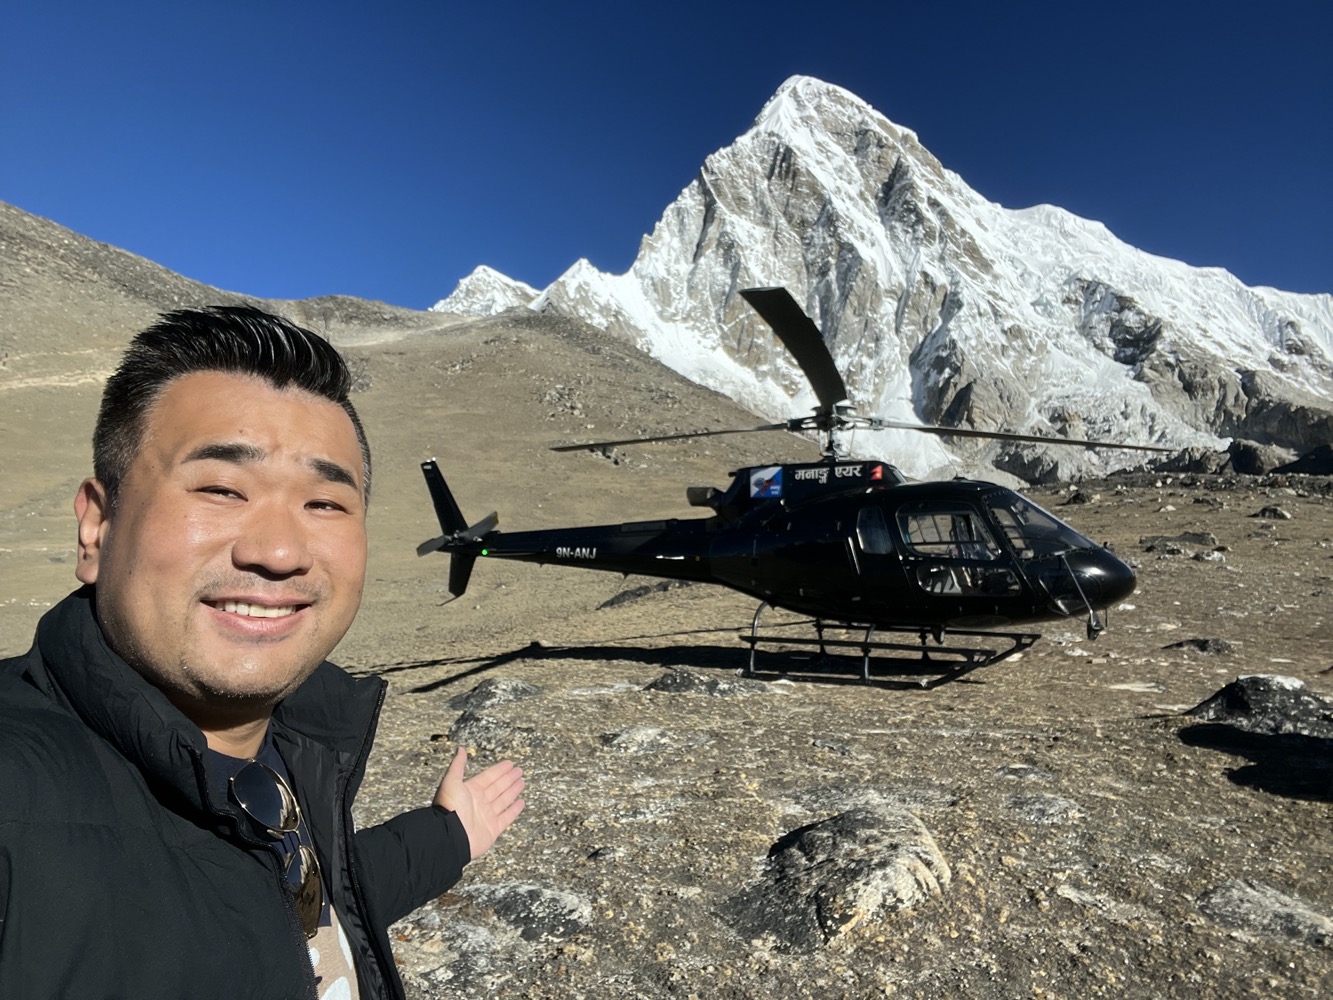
x=177 y=760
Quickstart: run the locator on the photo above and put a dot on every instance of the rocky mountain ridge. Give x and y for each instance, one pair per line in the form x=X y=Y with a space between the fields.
x=943 y=307
x=87 y=297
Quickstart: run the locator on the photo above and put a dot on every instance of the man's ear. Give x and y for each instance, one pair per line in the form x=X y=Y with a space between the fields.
x=93 y=512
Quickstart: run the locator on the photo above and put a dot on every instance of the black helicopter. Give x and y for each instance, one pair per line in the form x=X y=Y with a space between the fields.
x=851 y=544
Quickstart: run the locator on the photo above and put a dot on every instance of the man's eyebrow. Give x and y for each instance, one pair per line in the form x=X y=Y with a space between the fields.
x=239 y=453
x=333 y=472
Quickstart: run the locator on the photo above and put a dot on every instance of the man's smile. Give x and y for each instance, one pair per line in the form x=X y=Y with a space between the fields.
x=256 y=610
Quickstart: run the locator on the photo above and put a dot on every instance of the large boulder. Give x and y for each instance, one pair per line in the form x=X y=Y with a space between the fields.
x=824 y=879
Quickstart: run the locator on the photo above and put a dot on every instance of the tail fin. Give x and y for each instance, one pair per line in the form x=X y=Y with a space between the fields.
x=460 y=571
x=455 y=528
x=446 y=509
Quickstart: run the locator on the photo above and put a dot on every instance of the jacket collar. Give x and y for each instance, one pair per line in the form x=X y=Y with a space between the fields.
x=330 y=709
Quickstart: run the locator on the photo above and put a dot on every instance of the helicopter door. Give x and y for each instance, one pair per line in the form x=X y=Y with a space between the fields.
x=808 y=555
x=874 y=555
x=873 y=533
x=951 y=552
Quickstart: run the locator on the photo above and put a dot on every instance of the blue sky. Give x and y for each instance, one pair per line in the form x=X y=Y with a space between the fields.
x=290 y=149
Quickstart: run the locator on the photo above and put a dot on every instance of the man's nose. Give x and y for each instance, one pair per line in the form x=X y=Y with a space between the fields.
x=275 y=541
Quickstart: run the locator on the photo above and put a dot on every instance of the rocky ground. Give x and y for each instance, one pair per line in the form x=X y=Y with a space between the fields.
x=1067 y=829
x=1054 y=825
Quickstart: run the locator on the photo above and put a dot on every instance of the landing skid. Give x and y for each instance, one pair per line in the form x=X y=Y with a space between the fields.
x=946 y=662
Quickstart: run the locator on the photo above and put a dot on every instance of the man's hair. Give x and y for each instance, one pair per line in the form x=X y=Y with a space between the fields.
x=237 y=340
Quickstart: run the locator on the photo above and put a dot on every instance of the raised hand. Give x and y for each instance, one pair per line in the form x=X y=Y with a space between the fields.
x=486 y=803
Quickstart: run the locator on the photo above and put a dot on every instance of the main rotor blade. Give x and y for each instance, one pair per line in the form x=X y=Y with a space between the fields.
x=668 y=437
x=802 y=338
x=1005 y=436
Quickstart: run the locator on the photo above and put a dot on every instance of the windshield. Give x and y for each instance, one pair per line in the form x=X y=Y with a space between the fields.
x=1033 y=533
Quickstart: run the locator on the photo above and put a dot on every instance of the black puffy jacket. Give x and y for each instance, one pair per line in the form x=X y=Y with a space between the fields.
x=120 y=876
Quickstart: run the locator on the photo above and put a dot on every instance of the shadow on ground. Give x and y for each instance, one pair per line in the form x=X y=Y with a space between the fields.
x=1287 y=764
x=798 y=665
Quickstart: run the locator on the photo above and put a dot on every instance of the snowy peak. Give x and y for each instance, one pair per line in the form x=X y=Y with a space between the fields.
x=486 y=292
x=811 y=115
x=942 y=307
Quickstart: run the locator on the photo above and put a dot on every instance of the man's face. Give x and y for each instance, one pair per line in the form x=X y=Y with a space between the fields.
x=234 y=561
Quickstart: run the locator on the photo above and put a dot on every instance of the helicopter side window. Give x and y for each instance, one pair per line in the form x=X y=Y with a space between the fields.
x=872 y=532
x=956 y=545
x=947 y=533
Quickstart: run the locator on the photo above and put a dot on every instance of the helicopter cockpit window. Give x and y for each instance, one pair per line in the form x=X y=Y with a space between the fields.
x=951 y=532
x=1033 y=533
x=872 y=532
x=955 y=547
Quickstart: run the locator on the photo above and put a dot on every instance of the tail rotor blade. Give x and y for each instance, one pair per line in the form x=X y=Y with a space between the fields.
x=433 y=544
x=482 y=528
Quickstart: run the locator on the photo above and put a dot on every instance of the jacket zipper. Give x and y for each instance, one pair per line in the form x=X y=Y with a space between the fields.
x=294 y=921
x=387 y=968
x=273 y=863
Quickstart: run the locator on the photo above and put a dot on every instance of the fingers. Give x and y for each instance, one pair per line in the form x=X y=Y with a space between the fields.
x=498 y=784
x=497 y=791
x=505 y=807
x=504 y=819
x=457 y=766
x=503 y=780
x=495 y=774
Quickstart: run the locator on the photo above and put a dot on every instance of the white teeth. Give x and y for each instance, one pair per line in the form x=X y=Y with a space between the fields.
x=254 y=610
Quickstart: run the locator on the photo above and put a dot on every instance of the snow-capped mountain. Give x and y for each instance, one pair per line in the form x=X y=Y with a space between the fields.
x=942 y=307
x=486 y=292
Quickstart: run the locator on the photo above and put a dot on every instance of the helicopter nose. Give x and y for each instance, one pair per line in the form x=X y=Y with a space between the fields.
x=1103 y=577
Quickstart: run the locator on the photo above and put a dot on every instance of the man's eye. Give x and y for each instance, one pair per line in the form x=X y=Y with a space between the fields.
x=324 y=505
x=221 y=491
